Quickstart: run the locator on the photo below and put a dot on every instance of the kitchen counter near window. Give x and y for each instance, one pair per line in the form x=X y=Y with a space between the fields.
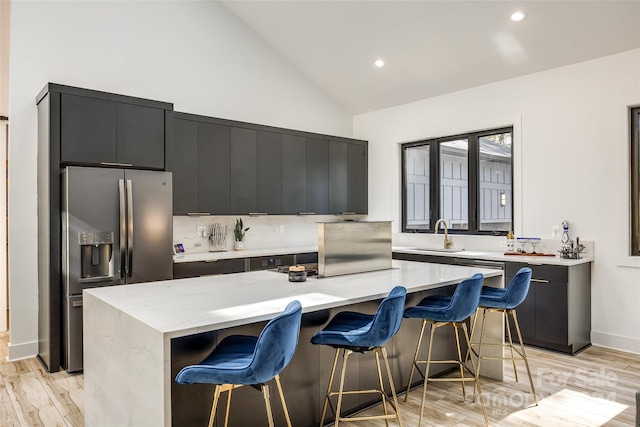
x=493 y=256
x=131 y=334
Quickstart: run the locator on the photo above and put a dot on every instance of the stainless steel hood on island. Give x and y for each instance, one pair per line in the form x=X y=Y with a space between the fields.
x=353 y=247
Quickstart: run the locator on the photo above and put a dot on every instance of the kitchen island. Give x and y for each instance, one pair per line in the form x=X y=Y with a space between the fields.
x=136 y=337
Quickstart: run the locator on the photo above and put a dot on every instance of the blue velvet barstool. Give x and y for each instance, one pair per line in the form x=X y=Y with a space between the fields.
x=440 y=311
x=360 y=333
x=505 y=301
x=246 y=360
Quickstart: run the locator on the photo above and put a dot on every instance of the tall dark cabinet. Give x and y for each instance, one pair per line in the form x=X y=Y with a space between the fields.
x=84 y=127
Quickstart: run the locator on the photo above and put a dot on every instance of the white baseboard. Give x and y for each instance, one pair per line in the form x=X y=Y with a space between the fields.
x=22 y=351
x=616 y=342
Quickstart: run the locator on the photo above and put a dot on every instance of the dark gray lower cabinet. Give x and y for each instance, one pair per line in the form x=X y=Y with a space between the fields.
x=183 y=270
x=557 y=311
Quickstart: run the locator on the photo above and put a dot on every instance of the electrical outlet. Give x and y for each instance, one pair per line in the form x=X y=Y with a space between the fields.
x=202 y=230
x=555 y=231
x=282 y=228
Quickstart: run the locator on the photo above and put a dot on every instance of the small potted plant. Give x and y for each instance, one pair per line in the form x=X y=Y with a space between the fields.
x=238 y=233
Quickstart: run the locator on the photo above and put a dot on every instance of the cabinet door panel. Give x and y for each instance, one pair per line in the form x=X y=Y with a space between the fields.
x=244 y=171
x=317 y=176
x=140 y=136
x=214 y=173
x=357 y=179
x=184 y=168
x=87 y=130
x=269 y=172
x=338 y=165
x=526 y=313
x=294 y=174
x=552 y=318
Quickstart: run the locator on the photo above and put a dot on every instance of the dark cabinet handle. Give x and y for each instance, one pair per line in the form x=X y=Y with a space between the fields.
x=198 y=213
x=123 y=165
x=306 y=213
x=258 y=213
x=347 y=213
x=540 y=281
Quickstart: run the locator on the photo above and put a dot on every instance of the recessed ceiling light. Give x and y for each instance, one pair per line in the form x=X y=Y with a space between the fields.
x=379 y=63
x=518 y=16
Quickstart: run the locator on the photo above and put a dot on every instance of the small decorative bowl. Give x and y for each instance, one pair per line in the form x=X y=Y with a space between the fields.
x=297 y=273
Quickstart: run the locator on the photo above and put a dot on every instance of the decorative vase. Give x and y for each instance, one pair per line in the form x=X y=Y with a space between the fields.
x=238 y=246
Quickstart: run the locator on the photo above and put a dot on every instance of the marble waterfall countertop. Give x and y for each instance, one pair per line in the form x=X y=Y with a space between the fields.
x=493 y=256
x=187 y=306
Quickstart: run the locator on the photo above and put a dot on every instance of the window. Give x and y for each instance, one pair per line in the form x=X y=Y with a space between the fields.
x=635 y=181
x=464 y=179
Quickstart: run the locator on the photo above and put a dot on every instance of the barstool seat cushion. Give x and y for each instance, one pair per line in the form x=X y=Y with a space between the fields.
x=456 y=308
x=249 y=360
x=510 y=297
x=364 y=331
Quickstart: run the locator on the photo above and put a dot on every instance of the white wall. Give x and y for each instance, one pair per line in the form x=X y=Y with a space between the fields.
x=194 y=54
x=571 y=162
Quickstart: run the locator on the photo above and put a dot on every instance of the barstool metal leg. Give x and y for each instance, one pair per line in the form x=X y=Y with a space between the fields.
x=216 y=397
x=284 y=404
x=513 y=356
x=524 y=356
x=476 y=370
x=460 y=362
x=345 y=356
x=226 y=413
x=265 y=393
x=382 y=393
x=393 y=387
x=326 y=399
x=426 y=374
x=415 y=358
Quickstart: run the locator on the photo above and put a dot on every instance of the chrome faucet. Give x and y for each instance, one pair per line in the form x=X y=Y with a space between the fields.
x=447 y=240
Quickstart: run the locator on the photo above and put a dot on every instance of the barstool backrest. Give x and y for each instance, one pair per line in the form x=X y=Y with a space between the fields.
x=465 y=298
x=388 y=317
x=277 y=343
x=518 y=288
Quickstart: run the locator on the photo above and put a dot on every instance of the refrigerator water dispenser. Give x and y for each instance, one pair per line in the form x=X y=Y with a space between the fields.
x=96 y=254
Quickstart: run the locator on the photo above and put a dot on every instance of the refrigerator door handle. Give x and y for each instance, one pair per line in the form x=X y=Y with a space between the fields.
x=130 y=227
x=123 y=228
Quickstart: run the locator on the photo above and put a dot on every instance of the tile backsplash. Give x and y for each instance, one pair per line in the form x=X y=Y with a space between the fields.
x=266 y=232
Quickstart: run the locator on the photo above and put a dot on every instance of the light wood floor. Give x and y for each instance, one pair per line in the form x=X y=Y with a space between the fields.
x=594 y=388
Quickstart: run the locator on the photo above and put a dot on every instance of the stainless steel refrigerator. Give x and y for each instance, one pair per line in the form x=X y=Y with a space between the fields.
x=117 y=229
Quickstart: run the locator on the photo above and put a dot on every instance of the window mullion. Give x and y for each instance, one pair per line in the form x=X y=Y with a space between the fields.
x=473 y=183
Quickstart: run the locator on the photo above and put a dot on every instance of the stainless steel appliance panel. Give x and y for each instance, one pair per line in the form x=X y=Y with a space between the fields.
x=73 y=332
x=150 y=226
x=90 y=204
x=353 y=247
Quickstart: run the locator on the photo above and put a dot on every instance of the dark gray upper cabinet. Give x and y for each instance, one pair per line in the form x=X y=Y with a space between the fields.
x=214 y=168
x=338 y=166
x=244 y=171
x=238 y=168
x=317 y=176
x=140 y=136
x=294 y=174
x=269 y=172
x=185 y=172
x=87 y=130
x=102 y=131
x=357 y=179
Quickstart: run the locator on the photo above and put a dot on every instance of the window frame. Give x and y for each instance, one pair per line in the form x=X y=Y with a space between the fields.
x=473 y=161
x=634 y=139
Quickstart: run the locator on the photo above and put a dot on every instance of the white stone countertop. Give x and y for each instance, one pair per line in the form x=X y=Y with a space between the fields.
x=188 y=306
x=493 y=256
x=248 y=253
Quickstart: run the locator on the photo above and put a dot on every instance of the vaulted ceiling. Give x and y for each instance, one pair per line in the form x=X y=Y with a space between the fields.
x=433 y=47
